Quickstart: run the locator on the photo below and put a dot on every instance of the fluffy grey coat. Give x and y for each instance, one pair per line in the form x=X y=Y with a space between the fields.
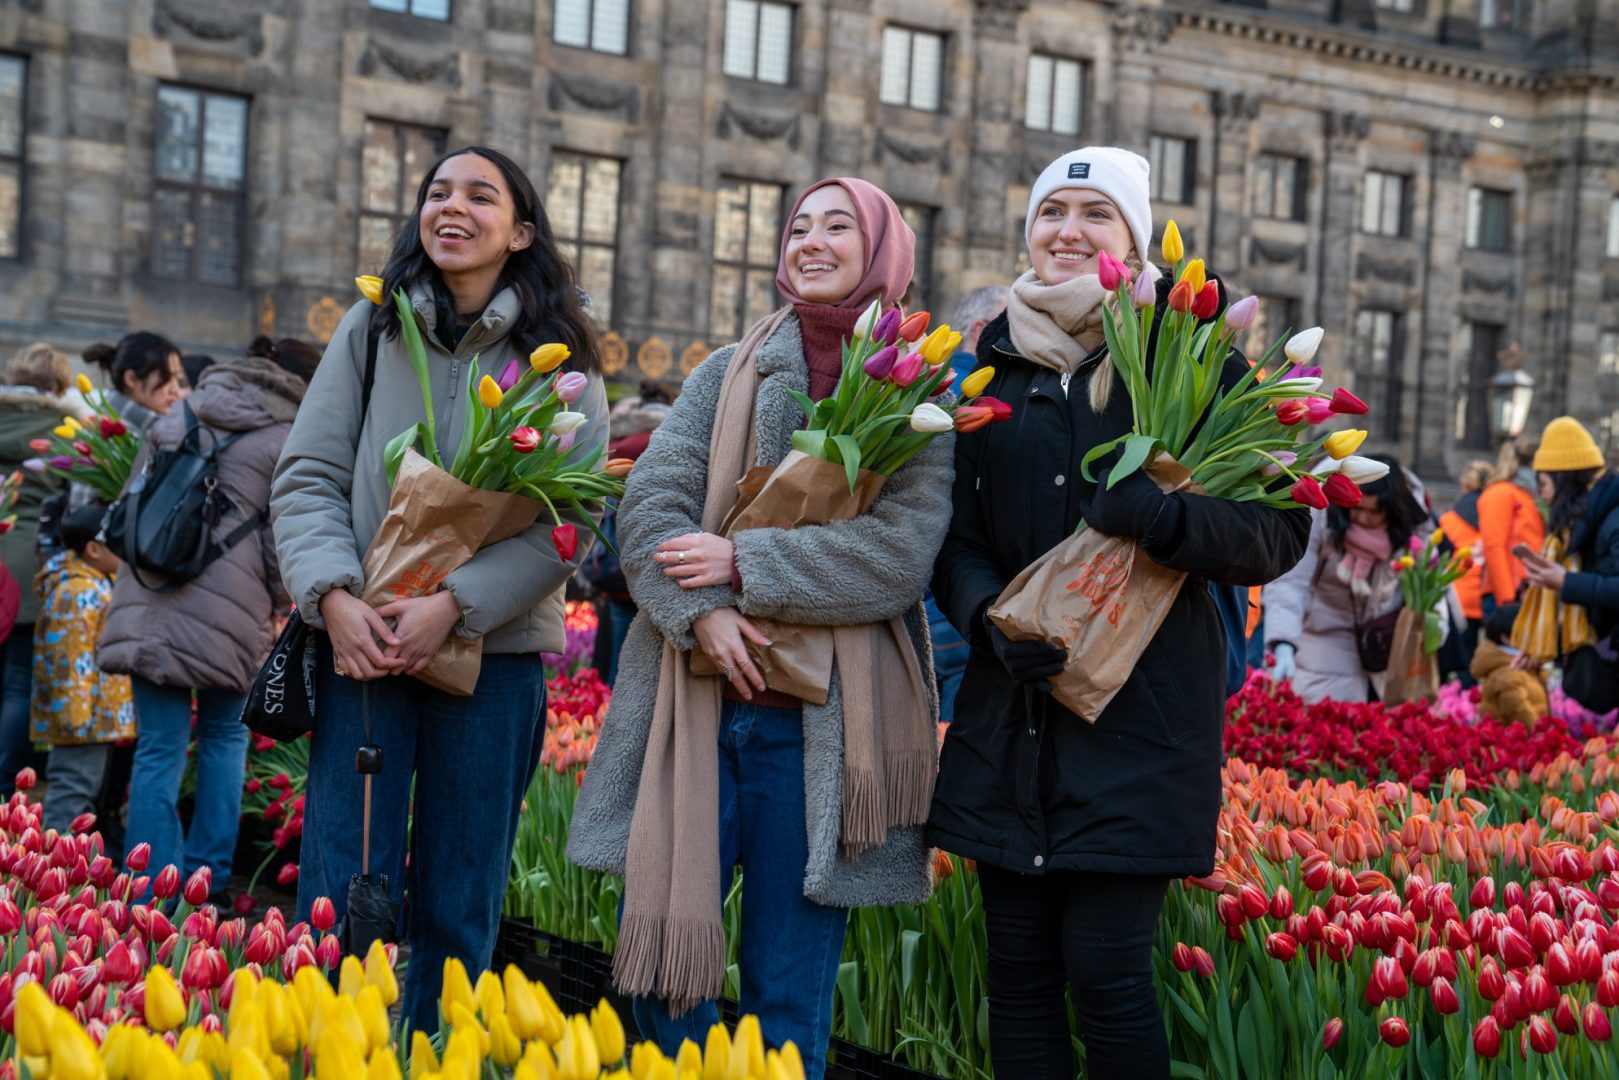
x=845 y=573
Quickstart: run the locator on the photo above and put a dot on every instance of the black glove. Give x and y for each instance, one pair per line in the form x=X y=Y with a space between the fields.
x=1135 y=509
x=1026 y=661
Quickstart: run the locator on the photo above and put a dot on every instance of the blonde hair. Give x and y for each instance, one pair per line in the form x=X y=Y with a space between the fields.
x=1514 y=452
x=1475 y=474
x=1100 y=387
x=40 y=366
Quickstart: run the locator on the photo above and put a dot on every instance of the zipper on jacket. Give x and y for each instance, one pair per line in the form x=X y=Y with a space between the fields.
x=1067 y=377
x=449 y=413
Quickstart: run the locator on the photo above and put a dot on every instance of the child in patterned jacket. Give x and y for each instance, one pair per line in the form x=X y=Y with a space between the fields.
x=79 y=710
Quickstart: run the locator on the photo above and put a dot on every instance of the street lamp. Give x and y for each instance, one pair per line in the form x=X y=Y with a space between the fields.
x=1510 y=392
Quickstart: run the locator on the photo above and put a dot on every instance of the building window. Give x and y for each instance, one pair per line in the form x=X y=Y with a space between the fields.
x=603 y=25
x=1498 y=14
x=581 y=200
x=1613 y=228
x=913 y=68
x=1489 y=219
x=759 y=40
x=1055 y=100
x=1379 y=340
x=13 y=125
x=1282 y=187
x=1384 y=205
x=747 y=230
x=392 y=161
x=423 y=9
x=1277 y=319
x=199 y=204
x=1481 y=348
x=919 y=297
x=1174 y=168
x=1608 y=353
x=1403 y=6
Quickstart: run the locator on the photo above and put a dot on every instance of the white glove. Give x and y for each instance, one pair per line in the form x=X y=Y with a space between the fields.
x=1284 y=666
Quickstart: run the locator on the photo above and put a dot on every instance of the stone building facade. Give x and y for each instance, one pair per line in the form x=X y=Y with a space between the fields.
x=1436 y=182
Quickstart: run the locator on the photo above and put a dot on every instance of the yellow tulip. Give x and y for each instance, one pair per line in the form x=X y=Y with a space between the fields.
x=504 y=1045
x=581 y=1060
x=456 y=988
x=382 y=1065
x=1340 y=444
x=248 y=1030
x=689 y=1058
x=609 y=1032
x=522 y=1005
x=1171 y=244
x=717 y=1054
x=538 y=1063
x=491 y=1001
x=792 y=1061
x=73 y=1055
x=378 y=972
x=337 y=1057
x=552 y=1023
x=490 y=393
x=974 y=384
x=85 y=385
x=311 y=987
x=1195 y=274
x=547 y=358
x=1438 y=537
x=932 y=347
x=165 y=1008
x=422 y=1058
x=244 y=1066
x=1407 y=562
x=370 y=287
x=33 y=1020
x=748 y=1049
x=62 y=431
x=373 y=1017
x=276 y=1005
x=161 y=1062
x=117 y=1050
x=350 y=976
x=464 y=1022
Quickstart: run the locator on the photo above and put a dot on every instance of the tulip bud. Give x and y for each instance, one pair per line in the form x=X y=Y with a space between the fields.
x=1240 y=316
x=970 y=418
x=907 y=370
x=1542 y=1036
x=1394 y=1032
x=1283 y=459
x=1307 y=492
x=571 y=386
x=1597 y=1026
x=1144 y=291
x=1340 y=444
x=1301 y=347
x=565 y=538
x=1445 y=1000
x=565 y=422
x=619 y=467
x=322 y=915
x=1181 y=296
x=975 y=384
x=1282 y=946
x=880 y=363
x=1332 y=1033
x=167 y=882
x=1487 y=1037
x=525 y=440
x=887 y=329
x=370 y=287
x=1195 y=275
x=1110 y=271
x=198 y=886
x=1364 y=471
x=914 y=326
x=489 y=393
x=929 y=419
x=509 y=374
x=1202 y=962
x=868 y=319
x=1181 y=956
x=1318 y=412
x=1348 y=404
x=26 y=779
x=547 y=358
x=1341 y=491
x=1171 y=245
x=1207 y=301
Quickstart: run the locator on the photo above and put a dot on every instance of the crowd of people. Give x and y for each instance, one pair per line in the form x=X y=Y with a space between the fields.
x=1077 y=827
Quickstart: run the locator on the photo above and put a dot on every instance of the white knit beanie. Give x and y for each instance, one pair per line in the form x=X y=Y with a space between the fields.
x=1119 y=174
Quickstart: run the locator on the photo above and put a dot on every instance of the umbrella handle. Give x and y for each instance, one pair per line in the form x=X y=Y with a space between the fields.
x=365 y=831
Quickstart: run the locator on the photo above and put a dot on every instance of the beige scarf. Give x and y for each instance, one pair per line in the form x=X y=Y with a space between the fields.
x=672 y=938
x=1058 y=326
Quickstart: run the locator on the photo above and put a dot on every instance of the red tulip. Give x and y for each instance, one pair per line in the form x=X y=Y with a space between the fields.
x=1487 y=1037
x=167 y=882
x=1281 y=946
x=914 y=326
x=199 y=886
x=1491 y=983
x=1394 y=1032
x=1207 y=301
x=1181 y=297
x=285 y=876
x=1512 y=895
x=1181 y=956
x=1292 y=412
x=1254 y=902
x=1110 y=272
x=26 y=778
x=1281 y=904
x=1307 y=492
x=1542 y=1036
x=322 y=915
x=1317 y=875
x=112 y=429
x=1332 y=1033
x=565 y=538
x=329 y=953
x=907 y=370
x=1538 y=994
x=1341 y=491
x=1588 y=961
x=1202 y=962
x=1608 y=989
x=1565 y=1019
x=1516 y=951
x=1483 y=894
x=525 y=439
x=1444 y=996
x=1608 y=892
x=1347 y=404
x=999 y=410
x=83 y=823
x=1597 y=1027
x=1560 y=966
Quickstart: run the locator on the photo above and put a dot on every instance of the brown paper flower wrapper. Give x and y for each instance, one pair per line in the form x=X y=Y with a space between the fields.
x=1413 y=675
x=434 y=525
x=1099 y=598
x=802 y=490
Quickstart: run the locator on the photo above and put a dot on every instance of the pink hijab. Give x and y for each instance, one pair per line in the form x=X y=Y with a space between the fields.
x=890 y=245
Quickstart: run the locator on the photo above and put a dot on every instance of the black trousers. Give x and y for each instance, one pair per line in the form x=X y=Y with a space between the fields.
x=1093 y=932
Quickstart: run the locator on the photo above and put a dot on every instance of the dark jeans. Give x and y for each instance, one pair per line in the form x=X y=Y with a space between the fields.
x=623 y=613
x=471 y=758
x=1104 y=926
x=16 y=694
x=790 y=945
x=950 y=652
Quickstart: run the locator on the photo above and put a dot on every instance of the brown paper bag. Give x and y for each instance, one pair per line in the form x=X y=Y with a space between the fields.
x=434 y=524
x=1101 y=598
x=1413 y=674
x=802 y=490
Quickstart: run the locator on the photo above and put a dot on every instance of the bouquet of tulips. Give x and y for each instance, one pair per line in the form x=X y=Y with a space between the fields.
x=8 y=498
x=1102 y=598
x=1425 y=574
x=98 y=452
x=889 y=402
x=516 y=456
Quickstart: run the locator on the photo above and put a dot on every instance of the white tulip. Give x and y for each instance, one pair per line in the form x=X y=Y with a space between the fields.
x=929 y=418
x=1304 y=384
x=1301 y=347
x=868 y=319
x=1362 y=470
x=568 y=421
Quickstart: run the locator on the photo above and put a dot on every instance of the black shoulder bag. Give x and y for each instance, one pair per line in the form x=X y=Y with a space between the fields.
x=281 y=703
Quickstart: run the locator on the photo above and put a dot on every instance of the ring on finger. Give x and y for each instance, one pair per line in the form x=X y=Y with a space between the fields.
x=726 y=672
x=680 y=557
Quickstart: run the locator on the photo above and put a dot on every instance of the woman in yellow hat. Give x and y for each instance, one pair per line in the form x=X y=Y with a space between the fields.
x=1572 y=607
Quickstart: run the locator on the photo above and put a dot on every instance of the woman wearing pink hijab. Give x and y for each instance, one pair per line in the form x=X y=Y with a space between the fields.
x=694 y=777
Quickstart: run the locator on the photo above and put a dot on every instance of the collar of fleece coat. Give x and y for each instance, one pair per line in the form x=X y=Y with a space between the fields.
x=246 y=394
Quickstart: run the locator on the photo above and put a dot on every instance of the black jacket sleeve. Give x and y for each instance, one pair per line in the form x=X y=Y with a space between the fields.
x=965 y=575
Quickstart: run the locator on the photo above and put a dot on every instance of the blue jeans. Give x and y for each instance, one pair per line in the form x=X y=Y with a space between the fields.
x=163 y=729
x=950 y=652
x=623 y=614
x=791 y=946
x=471 y=758
x=16 y=693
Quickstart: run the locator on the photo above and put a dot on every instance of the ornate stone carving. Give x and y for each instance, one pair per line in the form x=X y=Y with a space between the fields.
x=1543 y=166
x=654 y=357
x=1601 y=152
x=615 y=352
x=692 y=355
x=756 y=125
x=323 y=317
x=1274 y=253
x=1345 y=131
x=416 y=69
x=999 y=17
x=1236 y=110
x=598 y=95
x=1142 y=30
x=1448 y=150
x=1394 y=271
x=1477 y=281
x=910 y=153
x=204 y=25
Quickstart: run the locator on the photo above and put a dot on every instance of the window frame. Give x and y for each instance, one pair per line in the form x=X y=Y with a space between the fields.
x=410 y=10
x=1608 y=349
x=1612 y=248
x=1051 y=103
x=742 y=265
x=196 y=187
x=1476 y=389
x=914 y=33
x=1475 y=221
x=575 y=245
x=1382 y=177
x=1269 y=165
x=21 y=158
x=1397 y=7
x=1390 y=386
x=590 y=31
x=922 y=274
x=790 y=76
x=400 y=128
x=1512 y=9
x=1188 y=192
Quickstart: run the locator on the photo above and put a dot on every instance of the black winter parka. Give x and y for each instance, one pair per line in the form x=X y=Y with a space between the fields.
x=1024 y=784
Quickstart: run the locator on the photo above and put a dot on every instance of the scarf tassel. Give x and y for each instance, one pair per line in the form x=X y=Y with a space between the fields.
x=680 y=960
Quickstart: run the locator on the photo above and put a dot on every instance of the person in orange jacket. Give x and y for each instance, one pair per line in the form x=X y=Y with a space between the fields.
x=1461 y=527
x=1508 y=514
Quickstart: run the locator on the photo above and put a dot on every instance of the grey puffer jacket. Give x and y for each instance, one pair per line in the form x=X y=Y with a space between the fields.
x=216 y=629
x=845 y=573
x=331 y=490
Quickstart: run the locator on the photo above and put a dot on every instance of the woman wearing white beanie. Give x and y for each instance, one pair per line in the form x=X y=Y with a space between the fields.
x=1080 y=824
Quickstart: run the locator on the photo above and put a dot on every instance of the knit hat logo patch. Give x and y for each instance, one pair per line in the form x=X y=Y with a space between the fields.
x=1079 y=170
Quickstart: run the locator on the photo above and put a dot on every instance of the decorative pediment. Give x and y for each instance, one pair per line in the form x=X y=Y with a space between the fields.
x=409 y=66
x=205 y=24
x=763 y=127
x=596 y=95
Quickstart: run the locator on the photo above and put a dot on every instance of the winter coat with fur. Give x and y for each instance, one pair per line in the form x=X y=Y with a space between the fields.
x=1505 y=692
x=848 y=572
x=216 y=629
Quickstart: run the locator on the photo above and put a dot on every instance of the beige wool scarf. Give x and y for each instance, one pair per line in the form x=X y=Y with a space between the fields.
x=1051 y=324
x=672 y=938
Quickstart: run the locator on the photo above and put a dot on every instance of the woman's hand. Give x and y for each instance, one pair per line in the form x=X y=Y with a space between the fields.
x=724 y=635
x=697 y=559
x=1539 y=570
x=424 y=623
x=355 y=629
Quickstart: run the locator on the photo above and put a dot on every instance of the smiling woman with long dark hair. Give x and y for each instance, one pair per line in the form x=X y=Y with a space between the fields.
x=484 y=278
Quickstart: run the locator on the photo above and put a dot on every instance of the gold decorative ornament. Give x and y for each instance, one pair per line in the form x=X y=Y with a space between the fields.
x=324 y=315
x=654 y=357
x=691 y=356
x=615 y=352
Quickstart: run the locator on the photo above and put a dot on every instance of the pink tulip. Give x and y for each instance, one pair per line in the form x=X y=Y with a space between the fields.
x=571 y=386
x=1240 y=316
x=1144 y=293
x=908 y=369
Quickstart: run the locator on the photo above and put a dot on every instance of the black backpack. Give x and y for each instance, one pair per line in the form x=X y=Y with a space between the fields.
x=163 y=524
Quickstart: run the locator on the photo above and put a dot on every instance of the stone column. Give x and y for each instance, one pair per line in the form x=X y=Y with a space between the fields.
x=1233 y=151
x=995 y=158
x=1138 y=30
x=1440 y=374
x=684 y=193
x=1340 y=208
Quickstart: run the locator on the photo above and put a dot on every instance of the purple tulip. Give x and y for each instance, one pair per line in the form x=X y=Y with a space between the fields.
x=1144 y=292
x=907 y=370
x=881 y=362
x=61 y=461
x=1283 y=458
x=565 y=441
x=571 y=386
x=509 y=376
x=1303 y=373
x=887 y=330
x=1240 y=316
x=34 y=465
